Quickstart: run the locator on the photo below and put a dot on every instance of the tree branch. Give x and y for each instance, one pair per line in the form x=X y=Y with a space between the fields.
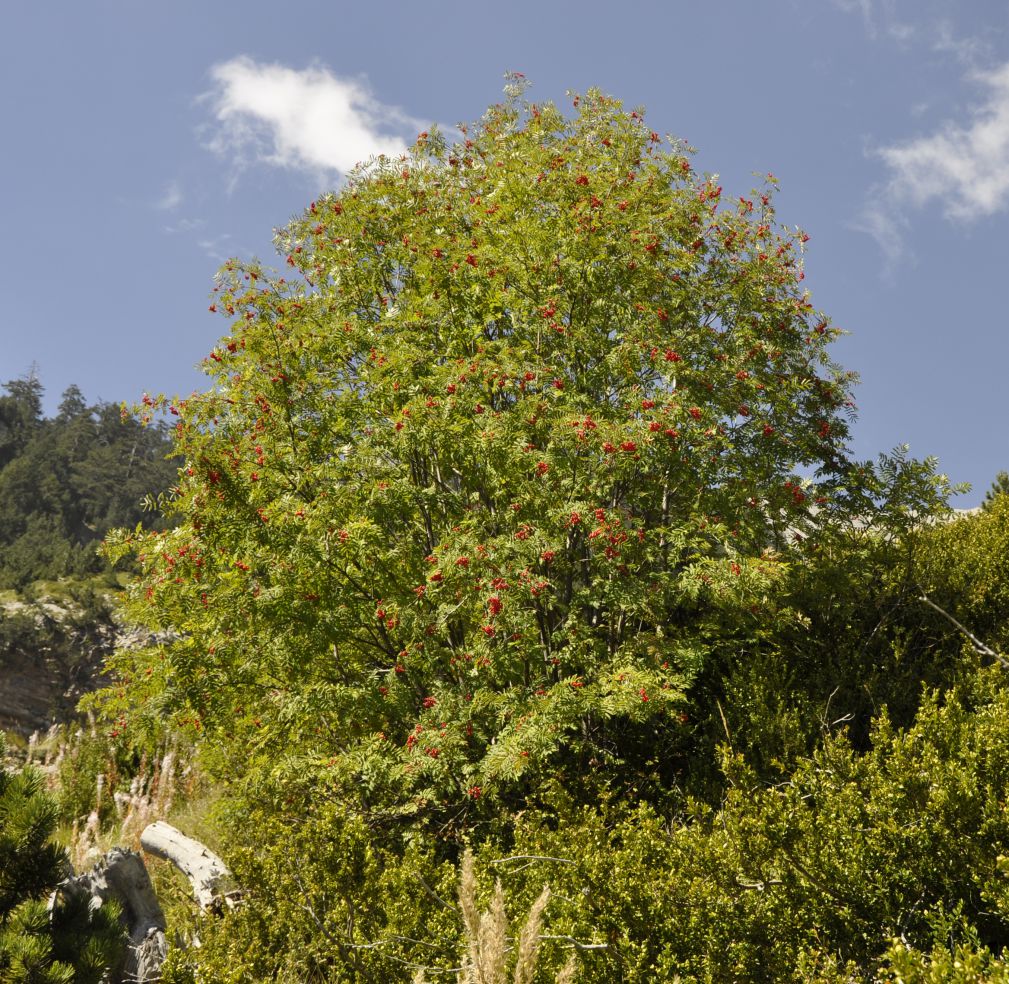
x=978 y=645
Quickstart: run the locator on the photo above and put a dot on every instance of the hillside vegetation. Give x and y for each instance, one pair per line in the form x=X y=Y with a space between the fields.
x=65 y=481
x=517 y=572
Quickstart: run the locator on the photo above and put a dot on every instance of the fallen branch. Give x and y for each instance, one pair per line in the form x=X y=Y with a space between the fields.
x=204 y=869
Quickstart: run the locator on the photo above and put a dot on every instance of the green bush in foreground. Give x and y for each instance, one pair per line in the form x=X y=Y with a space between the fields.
x=809 y=879
x=961 y=965
x=69 y=943
x=907 y=841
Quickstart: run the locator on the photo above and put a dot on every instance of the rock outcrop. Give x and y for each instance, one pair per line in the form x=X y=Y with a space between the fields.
x=51 y=655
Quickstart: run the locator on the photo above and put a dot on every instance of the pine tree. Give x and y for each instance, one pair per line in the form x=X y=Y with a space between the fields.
x=62 y=942
x=20 y=414
x=999 y=487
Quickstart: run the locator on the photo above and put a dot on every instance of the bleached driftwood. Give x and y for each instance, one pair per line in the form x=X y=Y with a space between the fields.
x=121 y=875
x=204 y=869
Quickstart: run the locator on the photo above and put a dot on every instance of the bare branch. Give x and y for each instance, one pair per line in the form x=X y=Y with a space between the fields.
x=431 y=892
x=204 y=869
x=978 y=645
x=577 y=944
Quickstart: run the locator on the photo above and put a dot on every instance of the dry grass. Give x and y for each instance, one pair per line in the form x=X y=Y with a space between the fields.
x=491 y=953
x=150 y=797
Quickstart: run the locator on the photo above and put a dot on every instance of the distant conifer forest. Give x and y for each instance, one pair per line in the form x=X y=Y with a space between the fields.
x=66 y=480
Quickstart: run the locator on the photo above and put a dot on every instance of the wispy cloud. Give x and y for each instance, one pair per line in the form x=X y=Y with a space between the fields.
x=879 y=18
x=185 y=225
x=309 y=120
x=886 y=226
x=218 y=248
x=969 y=51
x=929 y=25
x=962 y=168
x=171 y=197
x=963 y=165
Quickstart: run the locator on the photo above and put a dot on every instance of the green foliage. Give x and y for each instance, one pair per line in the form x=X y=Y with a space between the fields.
x=962 y=965
x=999 y=487
x=963 y=570
x=19 y=634
x=86 y=758
x=812 y=878
x=845 y=632
x=522 y=517
x=907 y=841
x=479 y=494
x=69 y=944
x=339 y=903
x=29 y=863
x=65 y=481
x=78 y=780
x=327 y=900
x=20 y=415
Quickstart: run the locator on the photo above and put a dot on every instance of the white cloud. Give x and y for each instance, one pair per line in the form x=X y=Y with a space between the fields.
x=969 y=51
x=879 y=16
x=171 y=198
x=218 y=247
x=185 y=225
x=886 y=226
x=309 y=120
x=962 y=166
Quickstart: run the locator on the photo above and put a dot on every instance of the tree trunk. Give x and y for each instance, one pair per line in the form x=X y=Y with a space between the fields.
x=121 y=875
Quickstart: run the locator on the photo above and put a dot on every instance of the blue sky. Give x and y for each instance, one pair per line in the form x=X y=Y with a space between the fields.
x=144 y=143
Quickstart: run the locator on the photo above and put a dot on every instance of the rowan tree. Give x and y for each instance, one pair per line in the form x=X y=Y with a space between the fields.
x=522 y=431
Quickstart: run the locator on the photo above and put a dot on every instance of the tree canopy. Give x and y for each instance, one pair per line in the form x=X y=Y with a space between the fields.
x=520 y=513
x=67 y=480
x=480 y=480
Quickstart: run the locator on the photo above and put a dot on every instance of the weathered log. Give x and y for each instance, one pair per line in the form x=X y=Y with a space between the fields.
x=121 y=875
x=204 y=869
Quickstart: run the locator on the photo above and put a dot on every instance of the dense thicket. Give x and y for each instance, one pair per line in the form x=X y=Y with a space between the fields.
x=522 y=517
x=838 y=842
x=66 y=480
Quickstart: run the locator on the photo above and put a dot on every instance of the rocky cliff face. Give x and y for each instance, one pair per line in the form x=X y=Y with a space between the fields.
x=50 y=656
x=37 y=692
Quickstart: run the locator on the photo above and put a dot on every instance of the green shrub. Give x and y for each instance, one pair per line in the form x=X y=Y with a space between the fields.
x=69 y=944
x=326 y=900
